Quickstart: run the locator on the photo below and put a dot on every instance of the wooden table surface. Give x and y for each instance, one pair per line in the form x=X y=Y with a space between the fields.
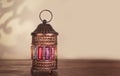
x=65 y=68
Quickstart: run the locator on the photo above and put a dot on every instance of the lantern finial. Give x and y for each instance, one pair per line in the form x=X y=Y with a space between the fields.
x=44 y=19
x=44 y=22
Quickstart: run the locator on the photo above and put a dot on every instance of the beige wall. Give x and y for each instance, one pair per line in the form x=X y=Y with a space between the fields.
x=88 y=29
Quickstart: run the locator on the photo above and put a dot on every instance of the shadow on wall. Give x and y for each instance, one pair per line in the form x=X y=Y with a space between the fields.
x=13 y=6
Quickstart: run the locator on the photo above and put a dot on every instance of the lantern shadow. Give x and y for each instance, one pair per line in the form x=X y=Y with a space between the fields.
x=12 y=6
x=6 y=8
x=54 y=73
x=9 y=6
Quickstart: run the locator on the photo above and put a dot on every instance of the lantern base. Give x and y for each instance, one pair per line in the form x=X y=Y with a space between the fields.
x=44 y=65
x=37 y=70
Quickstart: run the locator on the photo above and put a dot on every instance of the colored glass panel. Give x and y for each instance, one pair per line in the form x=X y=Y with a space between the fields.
x=52 y=53
x=40 y=49
x=47 y=53
x=35 y=52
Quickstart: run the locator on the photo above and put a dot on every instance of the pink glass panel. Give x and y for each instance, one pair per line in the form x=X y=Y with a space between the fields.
x=52 y=53
x=40 y=49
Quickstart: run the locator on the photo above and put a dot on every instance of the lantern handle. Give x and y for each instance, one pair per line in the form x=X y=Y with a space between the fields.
x=47 y=11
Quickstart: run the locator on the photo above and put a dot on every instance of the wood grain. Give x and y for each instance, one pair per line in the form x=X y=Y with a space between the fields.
x=65 y=68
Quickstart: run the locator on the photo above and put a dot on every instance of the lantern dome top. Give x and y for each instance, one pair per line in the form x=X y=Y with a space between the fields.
x=44 y=28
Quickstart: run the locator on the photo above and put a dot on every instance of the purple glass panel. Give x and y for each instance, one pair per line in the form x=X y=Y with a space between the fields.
x=47 y=53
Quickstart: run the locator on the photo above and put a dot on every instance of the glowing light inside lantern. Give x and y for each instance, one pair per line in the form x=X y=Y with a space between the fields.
x=40 y=51
x=47 y=53
x=52 y=53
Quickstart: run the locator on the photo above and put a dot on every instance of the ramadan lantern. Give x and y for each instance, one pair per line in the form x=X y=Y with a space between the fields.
x=44 y=47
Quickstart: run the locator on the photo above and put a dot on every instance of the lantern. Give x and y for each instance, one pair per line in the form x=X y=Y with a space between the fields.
x=44 y=47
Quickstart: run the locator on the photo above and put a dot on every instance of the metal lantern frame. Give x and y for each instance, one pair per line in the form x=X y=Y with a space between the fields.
x=44 y=46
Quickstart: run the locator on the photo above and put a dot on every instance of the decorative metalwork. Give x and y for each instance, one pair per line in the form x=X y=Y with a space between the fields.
x=44 y=46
